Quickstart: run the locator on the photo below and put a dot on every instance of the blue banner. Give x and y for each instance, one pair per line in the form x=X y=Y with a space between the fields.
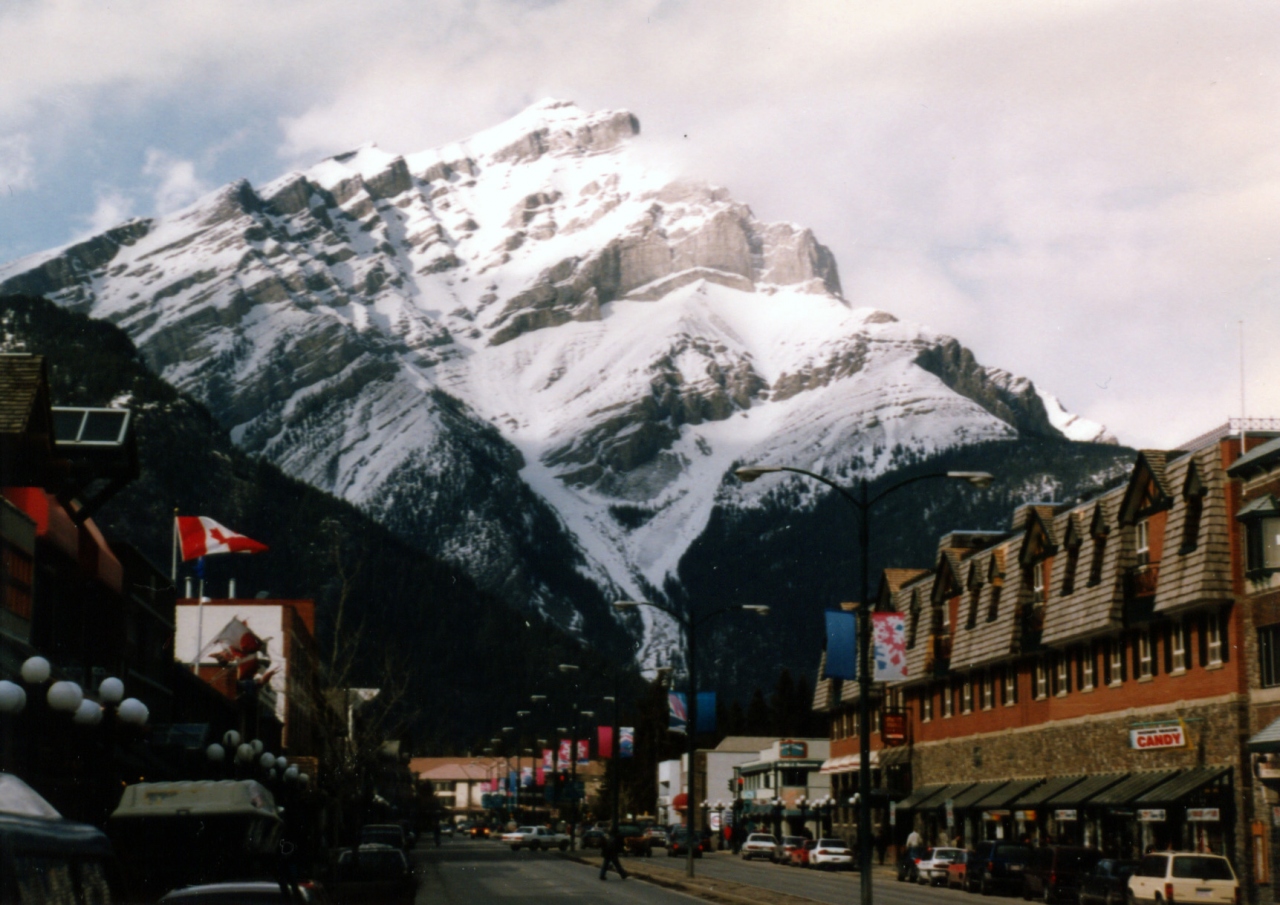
x=842 y=645
x=706 y=711
x=677 y=711
x=627 y=741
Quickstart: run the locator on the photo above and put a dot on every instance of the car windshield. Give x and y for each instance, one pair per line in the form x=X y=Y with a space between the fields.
x=939 y=853
x=1201 y=867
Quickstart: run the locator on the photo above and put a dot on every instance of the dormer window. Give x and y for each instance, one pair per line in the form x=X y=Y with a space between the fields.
x=1142 y=542
x=1035 y=579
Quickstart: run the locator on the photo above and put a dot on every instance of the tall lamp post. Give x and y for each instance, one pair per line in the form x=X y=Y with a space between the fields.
x=689 y=624
x=863 y=503
x=573 y=758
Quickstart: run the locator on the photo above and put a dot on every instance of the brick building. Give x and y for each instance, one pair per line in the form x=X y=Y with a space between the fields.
x=1093 y=673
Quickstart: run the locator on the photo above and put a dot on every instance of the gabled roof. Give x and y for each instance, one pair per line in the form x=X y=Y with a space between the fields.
x=894 y=579
x=22 y=378
x=948 y=575
x=1148 y=489
x=1040 y=540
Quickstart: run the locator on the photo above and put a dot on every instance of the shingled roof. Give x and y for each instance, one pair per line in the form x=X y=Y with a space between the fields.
x=26 y=423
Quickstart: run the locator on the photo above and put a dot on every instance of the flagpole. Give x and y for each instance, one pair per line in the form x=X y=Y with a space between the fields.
x=195 y=663
x=173 y=568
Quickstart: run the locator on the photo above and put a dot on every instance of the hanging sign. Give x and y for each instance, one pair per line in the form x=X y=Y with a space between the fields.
x=793 y=749
x=1202 y=815
x=1151 y=815
x=1173 y=735
x=951 y=813
x=893 y=813
x=1065 y=815
x=893 y=728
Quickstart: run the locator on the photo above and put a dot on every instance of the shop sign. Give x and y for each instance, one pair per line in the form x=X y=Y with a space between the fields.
x=1172 y=735
x=793 y=749
x=1267 y=768
x=951 y=814
x=1065 y=815
x=893 y=728
x=1025 y=816
x=1151 y=815
x=893 y=813
x=749 y=795
x=994 y=815
x=1202 y=815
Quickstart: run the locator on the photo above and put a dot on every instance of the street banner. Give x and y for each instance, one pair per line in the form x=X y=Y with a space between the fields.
x=526 y=777
x=548 y=759
x=540 y=776
x=566 y=752
x=889 y=635
x=627 y=741
x=706 y=711
x=677 y=712
x=842 y=645
x=604 y=741
x=584 y=752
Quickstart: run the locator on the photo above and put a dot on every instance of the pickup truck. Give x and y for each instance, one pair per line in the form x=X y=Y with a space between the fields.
x=535 y=838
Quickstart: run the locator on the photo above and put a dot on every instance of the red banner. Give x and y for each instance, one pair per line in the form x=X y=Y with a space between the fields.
x=604 y=742
x=566 y=752
x=584 y=752
x=548 y=759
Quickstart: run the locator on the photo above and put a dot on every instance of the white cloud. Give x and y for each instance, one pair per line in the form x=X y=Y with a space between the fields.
x=17 y=164
x=111 y=208
x=176 y=183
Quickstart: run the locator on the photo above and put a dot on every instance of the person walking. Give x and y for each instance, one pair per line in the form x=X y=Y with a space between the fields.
x=914 y=840
x=609 y=849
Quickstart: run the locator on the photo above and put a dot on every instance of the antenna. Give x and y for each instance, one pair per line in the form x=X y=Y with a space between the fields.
x=1242 y=409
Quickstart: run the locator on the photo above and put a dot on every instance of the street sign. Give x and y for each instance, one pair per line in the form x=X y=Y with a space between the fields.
x=951 y=814
x=790 y=748
x=893 y=728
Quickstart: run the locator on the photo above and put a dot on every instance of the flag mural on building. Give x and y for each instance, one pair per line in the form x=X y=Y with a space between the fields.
x=889 y=635
x=677 y=711
x=627 y=741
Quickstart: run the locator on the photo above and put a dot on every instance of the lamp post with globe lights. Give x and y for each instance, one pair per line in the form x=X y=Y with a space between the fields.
x=862 y=502
x=689 y=623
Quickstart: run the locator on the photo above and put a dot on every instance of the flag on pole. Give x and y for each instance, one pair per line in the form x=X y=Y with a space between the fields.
x=584 y=752
x=526 y=777
x=548 y=759
x=202 y=536
x=889 y=635
x=677 y=712
x=566 y=751
x=540 y=776
x=842 y=645
x=627 y=741
x=604 y=741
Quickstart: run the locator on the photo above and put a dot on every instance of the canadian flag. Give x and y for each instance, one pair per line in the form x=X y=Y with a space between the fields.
x=202 y=536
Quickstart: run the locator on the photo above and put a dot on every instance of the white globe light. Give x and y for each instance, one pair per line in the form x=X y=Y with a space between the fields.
x=111 y=690
x=89 y=713
x=281 y=763
x=133 y=712
x=65 y=696
x=291 y=774
x=12 y=697
x=231 y=738
x=267 y=760
x=216 y=753
x=271 y=774
x=244 y=753
x=36 y=670
x=304 y=778
x=258 y=747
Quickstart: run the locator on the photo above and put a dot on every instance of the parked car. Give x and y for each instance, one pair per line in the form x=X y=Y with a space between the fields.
x=998 y=865
x=932 y=871
x=1184 y=877
x=535 y=838
x=374 y=874
x=657 y=836
x=594 y=837
x=800 y=855
x=787 y=846
x=1055 y=871
x=958 y=871
x=678 y=844
x=392 y=834
x=634 y=841
x=247 y=892
x=831 y=854
x=760 y=845
x=907 y=863
x=1107 y=883
x=479 y=831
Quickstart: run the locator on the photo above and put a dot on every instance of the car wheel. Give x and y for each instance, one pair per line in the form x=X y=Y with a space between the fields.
x=984 y=887
x=1026 y=892
x=534 y=846
x=564 y=846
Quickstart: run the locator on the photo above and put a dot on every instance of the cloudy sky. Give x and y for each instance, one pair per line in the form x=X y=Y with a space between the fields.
x=1085 y=193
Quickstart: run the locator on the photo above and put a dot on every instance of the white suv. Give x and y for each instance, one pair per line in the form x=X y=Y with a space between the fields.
x=1170 y=877
x=760 y=845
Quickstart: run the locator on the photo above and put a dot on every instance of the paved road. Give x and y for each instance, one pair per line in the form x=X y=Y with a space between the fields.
x=464 y=871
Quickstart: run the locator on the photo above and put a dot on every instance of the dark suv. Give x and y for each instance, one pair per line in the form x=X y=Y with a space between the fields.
x=1056 y=871
x=998 y=865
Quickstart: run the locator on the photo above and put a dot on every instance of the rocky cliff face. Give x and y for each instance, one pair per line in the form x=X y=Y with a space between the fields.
x=525 y=352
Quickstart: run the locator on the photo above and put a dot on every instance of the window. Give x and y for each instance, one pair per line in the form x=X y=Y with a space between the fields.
x=1069 y=573
x=1010 y=686
x=1269 y=655
x=1095 y=565
x=1042 y=679
x=993 y=611
x=1036 y=580
x=1087 y=665
x=966 y=695
x=1061 y=674
x=1191 y=523
x=1142 y=542
x=975 y=592
x=875 y=722
x=1146 y=662
x=948 y=701
x=988 y=690
x=1177 y=647
x=926 y=706
x=1115 y=661
x=1262 y=544
x=1215 y=634
x=945 y=617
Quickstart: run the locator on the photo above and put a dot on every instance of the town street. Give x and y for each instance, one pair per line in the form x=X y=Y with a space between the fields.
x=468 y=871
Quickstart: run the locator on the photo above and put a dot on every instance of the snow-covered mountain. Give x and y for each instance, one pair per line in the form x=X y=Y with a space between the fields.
x=528 y=352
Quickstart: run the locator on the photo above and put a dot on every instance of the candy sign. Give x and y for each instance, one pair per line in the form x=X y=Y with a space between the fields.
x=1149 y=737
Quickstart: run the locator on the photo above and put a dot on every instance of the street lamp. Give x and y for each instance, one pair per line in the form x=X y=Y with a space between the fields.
x=689 y=624
x=863 y=503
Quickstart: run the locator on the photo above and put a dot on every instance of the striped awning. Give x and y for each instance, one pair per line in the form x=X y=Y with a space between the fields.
x=918 y=795
x=1041 y=794
x=977 y=793
x=939 y=798
x=1001 y=797
x=1081 y=792
x=1127 y=791
x=1174 y=790
x=848 y=763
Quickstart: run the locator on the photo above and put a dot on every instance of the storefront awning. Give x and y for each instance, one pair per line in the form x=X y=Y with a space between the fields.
x=939 y=798
x=1082 y=792
x=1125 y=792
x=918 y=795
x=848 y=763
x=1268 y=740
x=977 y=793
x=1001 y=797
x=1041 y=794
x=1178 y=788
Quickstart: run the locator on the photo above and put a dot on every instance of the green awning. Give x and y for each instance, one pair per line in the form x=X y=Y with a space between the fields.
x=1040 y=794
x=918 y=795
x=1178 y=788
x=939 y=798
x=1129 y=790
x=977 y=793
x=1082 y=792
x=1268 y=739
x=1001 y=797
